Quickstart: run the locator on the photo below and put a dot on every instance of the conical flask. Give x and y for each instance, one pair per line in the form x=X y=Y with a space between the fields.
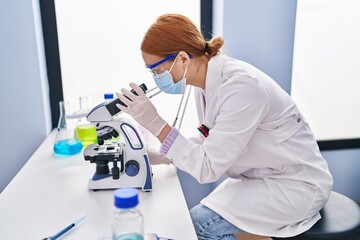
x=65 y=142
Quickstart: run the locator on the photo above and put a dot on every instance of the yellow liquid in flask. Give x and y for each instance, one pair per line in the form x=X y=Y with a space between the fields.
x=87 y=134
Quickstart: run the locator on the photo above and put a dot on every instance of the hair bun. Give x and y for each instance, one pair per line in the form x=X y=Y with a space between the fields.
x=214 y=46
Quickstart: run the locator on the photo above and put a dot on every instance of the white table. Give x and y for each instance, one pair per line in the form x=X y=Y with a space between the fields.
x=50 y=192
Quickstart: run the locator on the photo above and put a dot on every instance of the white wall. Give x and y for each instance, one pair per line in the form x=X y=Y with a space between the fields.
x=25 y=115
x=262 y=33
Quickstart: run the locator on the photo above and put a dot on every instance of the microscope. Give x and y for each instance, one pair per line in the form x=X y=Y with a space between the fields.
x=128 y=158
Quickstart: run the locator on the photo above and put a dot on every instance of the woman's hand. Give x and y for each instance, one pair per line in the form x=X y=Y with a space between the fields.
x=141 y=109
x=157 y=157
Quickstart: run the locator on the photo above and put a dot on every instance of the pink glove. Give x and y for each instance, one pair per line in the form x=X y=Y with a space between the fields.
x=141 y=109
x=157 y=157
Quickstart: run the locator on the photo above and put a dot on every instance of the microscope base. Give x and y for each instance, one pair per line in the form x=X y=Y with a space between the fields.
x=110 y=183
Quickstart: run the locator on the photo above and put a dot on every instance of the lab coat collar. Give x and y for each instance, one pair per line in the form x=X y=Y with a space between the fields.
x=214 y=74
x=213 y=80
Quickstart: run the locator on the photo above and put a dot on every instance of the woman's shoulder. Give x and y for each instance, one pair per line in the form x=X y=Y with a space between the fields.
x=229 y=75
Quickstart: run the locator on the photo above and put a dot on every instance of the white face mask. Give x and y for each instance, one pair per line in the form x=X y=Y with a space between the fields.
x=165 y=82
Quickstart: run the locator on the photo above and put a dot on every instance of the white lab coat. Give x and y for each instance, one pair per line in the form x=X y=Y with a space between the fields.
x=278 y=180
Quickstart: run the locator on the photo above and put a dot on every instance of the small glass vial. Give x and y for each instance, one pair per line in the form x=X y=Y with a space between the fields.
x=127 y=223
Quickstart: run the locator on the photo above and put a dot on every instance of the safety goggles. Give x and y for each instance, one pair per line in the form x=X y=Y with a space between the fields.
x=156 y=68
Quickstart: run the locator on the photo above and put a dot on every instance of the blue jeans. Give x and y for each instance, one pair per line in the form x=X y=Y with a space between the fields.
x=210 y=225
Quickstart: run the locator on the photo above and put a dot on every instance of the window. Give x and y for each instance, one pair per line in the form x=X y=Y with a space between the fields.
x=326 y=73
x=99 y=49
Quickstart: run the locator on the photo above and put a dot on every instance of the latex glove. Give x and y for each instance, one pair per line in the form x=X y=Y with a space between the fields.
x=141 y=109
x=157 y=157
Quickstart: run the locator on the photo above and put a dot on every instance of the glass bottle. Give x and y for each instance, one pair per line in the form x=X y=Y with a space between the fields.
x=65 y=141
x=85 y=131
x=127 y=223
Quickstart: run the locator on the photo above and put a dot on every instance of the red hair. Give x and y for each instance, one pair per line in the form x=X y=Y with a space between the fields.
x=173 y=33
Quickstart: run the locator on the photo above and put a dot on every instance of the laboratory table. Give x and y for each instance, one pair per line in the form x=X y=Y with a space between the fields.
x=50 y=192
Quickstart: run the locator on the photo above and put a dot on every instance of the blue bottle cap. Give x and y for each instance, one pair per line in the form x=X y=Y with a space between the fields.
x=108 y=96
x=126 y=198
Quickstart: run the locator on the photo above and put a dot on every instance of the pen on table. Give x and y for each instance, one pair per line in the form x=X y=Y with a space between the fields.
x=65 y=230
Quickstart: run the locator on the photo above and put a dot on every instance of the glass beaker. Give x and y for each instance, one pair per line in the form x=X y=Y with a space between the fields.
x=85 y=131
x=65 y=141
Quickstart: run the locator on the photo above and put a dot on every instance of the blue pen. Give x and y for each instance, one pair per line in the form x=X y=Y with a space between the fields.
x=62 y=232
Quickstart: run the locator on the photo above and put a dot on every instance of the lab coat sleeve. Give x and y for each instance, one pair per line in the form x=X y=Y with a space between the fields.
x=239 y=110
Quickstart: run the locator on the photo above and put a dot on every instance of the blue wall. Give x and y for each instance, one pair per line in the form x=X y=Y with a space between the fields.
x=25 y=113
x=262 y=34
x=345 y=168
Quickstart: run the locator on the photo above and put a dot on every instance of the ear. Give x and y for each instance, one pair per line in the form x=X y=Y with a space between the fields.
x=184 y=58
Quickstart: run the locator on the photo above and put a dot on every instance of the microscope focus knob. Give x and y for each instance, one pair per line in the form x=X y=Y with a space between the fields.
x=132 y=168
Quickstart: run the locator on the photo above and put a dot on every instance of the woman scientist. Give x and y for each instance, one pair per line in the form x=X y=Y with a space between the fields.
x=278 y=180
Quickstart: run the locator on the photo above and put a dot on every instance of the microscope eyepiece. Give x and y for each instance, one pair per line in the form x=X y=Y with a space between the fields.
x=113 y=109
x=142 y=86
